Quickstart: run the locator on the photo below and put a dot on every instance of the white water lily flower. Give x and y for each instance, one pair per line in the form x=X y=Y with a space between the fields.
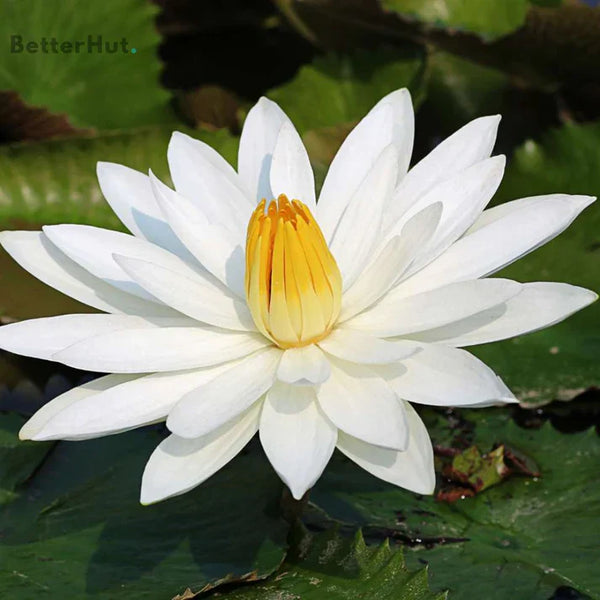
x=241 y=304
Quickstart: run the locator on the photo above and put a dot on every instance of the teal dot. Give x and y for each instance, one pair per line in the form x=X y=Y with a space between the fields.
x=133 y=51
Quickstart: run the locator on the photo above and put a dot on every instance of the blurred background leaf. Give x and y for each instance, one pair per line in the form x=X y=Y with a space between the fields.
x=487 y=18
x=95 y=89
x=346 y=87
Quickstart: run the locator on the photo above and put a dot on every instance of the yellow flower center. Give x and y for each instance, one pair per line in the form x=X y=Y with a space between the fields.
x=293 y=284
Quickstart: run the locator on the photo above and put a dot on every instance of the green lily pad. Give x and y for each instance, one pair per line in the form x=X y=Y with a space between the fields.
x=327 y=565
x=76 y=529
x=338 y=89
x=18 y=460
x=95 y=89
x=563 y=360
x=524 y=534
x=488 y=18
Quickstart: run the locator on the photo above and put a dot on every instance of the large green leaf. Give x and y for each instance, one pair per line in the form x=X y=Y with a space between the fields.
x=95 y=89
x=523 y=535
x=327 y=565
x=76 y=528
x=561 y=360
x=488 y=18
x=341 y=89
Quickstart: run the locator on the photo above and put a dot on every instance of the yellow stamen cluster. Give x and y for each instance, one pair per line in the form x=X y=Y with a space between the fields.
x=293 y=284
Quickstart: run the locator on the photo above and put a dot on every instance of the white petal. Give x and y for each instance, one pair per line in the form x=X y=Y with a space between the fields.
x=361 y=403
x=93 y=249
x=291 y=173
x=391 y=263
x=359 y=347
x=124 y=260
x=191 y=294
x=538 y=305
x=129 y=194
x=205 y=177
x=178 y=465
x=464 y=197
x=88 y=390
x=303 y=366
x=35 y=253
x=258 y=139
x=42 y=338
x=500 y=236
x=297 y=438
x=411 y=469
x=130 y=404
x=358 y=230
x=442 y=376
x=467 y=146
x=390 y=121
x=222 y=399
x=215 y=247
x=398 y=315
x=161 y=349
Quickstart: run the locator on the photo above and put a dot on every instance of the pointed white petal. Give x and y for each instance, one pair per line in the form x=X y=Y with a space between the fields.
x=558 y=209
x=42 y=338
x=160 y=349
x=258 y=139
x=390 y=121
x=130 y=404
x=129 y=194
x=442 y=376
x=358 y=230
x=144 y=269
x=391 y=263
x=88 y=390
x=178 y=465
x=297 y=438
x=538 y=305
x=35 y=253
x=202 y=175
x=359 y=347
x=464 y=197
x=500 y=236
x=216 y=248
x=411 y=469
x=188 y=292
x=467 y=146
x=395 y=314
x=361 y=403
x=93 y=249
x=222 y=399
x=291 y=173
x=303 y=366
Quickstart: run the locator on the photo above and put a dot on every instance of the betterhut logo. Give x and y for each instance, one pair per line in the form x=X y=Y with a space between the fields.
x=94 y=44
